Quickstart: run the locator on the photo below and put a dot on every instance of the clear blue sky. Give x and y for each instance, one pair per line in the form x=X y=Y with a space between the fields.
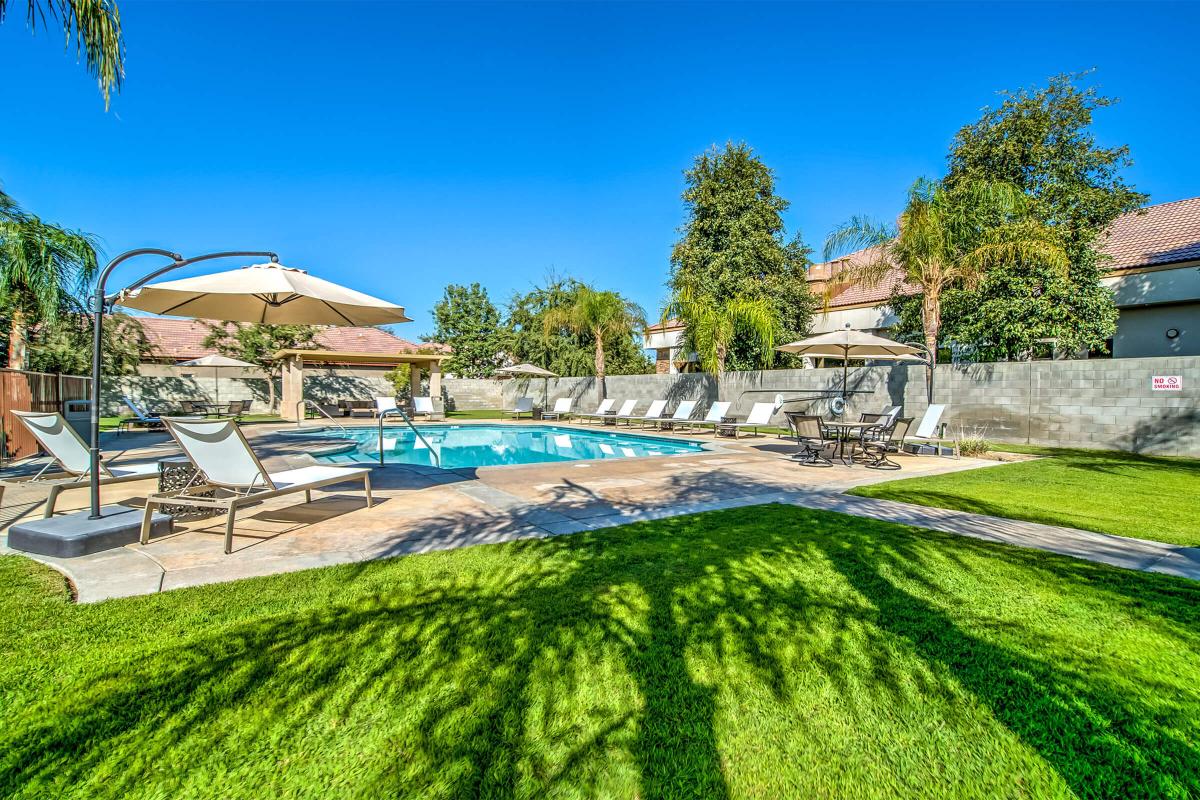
x=398 y=147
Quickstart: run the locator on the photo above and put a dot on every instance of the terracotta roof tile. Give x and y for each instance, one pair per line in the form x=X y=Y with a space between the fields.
x=1163 y=234
x=183 y=339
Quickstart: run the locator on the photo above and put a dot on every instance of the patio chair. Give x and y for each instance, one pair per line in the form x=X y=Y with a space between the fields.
x=716 y=412
x=383 y=404
x=524 y=405
x=653 y=414
x=759 y=417
x=238 y=407
x=601 y=410
x=424 y=405
x=140 y=416
x=562 y=408
x=226 y=464
x=188 y=406
x=624 y=412
x=929 y=435
x=889 y=439
x=71 y=455
x=683 y=413
x=811 y=438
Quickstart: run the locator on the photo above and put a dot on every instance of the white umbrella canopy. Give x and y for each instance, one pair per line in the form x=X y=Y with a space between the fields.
x=264 y=293
x=530 y=370
x=847 y=344
x=216 y=362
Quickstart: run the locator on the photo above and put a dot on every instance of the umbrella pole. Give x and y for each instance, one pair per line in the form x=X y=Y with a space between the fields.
x=216 y=386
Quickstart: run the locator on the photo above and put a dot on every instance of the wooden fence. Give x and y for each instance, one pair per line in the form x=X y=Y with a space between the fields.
x=32 y=391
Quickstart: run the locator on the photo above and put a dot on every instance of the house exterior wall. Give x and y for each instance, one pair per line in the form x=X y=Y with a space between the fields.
x=1142 y=332
x=874 y=320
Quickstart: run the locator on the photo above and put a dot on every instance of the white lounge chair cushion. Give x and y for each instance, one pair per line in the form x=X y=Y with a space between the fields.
x=129 y=470
x=293 y=478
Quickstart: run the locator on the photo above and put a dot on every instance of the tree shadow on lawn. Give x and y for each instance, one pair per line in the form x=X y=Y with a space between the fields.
x=569 y=668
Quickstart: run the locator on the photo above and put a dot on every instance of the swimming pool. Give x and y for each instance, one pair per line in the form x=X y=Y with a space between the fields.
x=485 y=445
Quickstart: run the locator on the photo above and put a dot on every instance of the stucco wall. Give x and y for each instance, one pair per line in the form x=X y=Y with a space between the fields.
x=1142 y=332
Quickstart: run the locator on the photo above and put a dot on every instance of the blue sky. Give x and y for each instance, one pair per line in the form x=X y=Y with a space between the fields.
x=398 y=147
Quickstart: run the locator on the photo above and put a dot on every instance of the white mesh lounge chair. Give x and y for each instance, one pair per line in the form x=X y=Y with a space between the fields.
x=140 y=416
x=654 y=413
x=383 y=404
x=683 y=413
x=715 y=413
x=929 y=434
x=759 y=417
x=625 y=412
x=424 y=405
x=562 y=407
x=524 y=405
x=224 y=461
x=72 y=457
x=601 y=410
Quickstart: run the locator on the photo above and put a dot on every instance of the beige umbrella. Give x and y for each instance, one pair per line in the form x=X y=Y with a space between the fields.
x=532 y=371
x=847 y=344
x=265 y=293
x=216 y=362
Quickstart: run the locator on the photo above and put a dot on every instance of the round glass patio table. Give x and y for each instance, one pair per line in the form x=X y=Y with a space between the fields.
x=844 y=428
x=214 y=409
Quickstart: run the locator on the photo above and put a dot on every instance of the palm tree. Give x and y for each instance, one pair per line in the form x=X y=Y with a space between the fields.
x=945 y=236
x=96 y=27
x=41 y=266
x=598 y=314
x=710 y=326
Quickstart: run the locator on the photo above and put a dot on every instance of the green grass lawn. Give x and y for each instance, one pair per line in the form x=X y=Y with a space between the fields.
x=1098 y=490
x=765 y=652
x=485 y=413
x=110 y=423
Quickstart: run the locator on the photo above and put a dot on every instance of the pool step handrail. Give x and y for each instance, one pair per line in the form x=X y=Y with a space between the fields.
x=400 y=412
x=310 y=404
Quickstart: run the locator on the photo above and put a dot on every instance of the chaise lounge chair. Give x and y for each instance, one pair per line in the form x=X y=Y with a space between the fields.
x=928 y=433
x=682 y=415
x=654 y=413
x=383 y=404
x=625 y=412
x=716 y=412
x=424 y=405
x=140 y=416
x=227 y=465
x=71 y=454
x=759 y=417
x=524 y=405
x=562 y=408
x=601 y=411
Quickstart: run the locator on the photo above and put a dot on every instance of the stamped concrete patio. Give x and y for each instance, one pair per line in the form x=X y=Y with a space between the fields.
x=420 y=509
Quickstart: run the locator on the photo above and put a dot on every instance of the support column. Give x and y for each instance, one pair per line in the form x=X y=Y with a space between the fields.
x=293 y=388
x=414 y=380
x=435 y=380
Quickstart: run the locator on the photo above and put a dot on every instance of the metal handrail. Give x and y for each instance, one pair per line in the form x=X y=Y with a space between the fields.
x=319 y=410
x=384 y=414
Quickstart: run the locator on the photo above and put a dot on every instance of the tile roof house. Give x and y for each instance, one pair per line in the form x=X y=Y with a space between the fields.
x=1153 y=269
x=175 y=340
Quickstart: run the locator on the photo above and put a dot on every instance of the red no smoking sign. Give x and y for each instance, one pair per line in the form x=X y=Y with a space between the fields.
x=1167 y=383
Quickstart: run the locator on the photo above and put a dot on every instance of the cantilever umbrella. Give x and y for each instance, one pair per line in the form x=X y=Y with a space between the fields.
x=532 y=371
x=266 y=293
x=216 y=362
x=847 y=344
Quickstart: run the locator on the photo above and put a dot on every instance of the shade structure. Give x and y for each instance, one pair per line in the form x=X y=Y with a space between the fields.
x=264 y=293
x=528 y=370
x=216 y=362
x=848 y=343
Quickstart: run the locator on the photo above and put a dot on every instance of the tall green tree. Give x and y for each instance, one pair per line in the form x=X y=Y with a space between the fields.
x=470 y=323
x=564 y=351
x=601 y=315
x=1041 y=142
x=42 y=266
x=95 y=28
x=64 y=344
x=258 y=343
x=946 y=237
x=711 y=327
x=734 y=245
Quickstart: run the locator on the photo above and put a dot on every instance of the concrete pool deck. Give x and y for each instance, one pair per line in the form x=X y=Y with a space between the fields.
x=421 y=509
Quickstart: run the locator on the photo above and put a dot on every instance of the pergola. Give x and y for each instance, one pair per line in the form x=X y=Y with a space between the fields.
x=294 y=360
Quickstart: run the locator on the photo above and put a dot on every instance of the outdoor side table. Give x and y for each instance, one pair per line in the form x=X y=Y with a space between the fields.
x=174 y=474
x=727 y=427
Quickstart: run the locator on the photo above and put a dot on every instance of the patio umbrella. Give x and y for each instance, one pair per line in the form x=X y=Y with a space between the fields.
x=265 y=293
x=847 y=344
x=532 y=371
x=216 y=362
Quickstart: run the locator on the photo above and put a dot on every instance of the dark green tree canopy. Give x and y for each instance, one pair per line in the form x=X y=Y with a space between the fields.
x=258 y=343
x=734 y=245
x=562 y=350
x=470 y=323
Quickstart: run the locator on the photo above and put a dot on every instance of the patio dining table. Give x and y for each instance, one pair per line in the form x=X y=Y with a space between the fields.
x=214 y=409
x=844 y=430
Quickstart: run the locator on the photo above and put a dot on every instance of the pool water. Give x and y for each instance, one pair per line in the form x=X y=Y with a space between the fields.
x=461 y=446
